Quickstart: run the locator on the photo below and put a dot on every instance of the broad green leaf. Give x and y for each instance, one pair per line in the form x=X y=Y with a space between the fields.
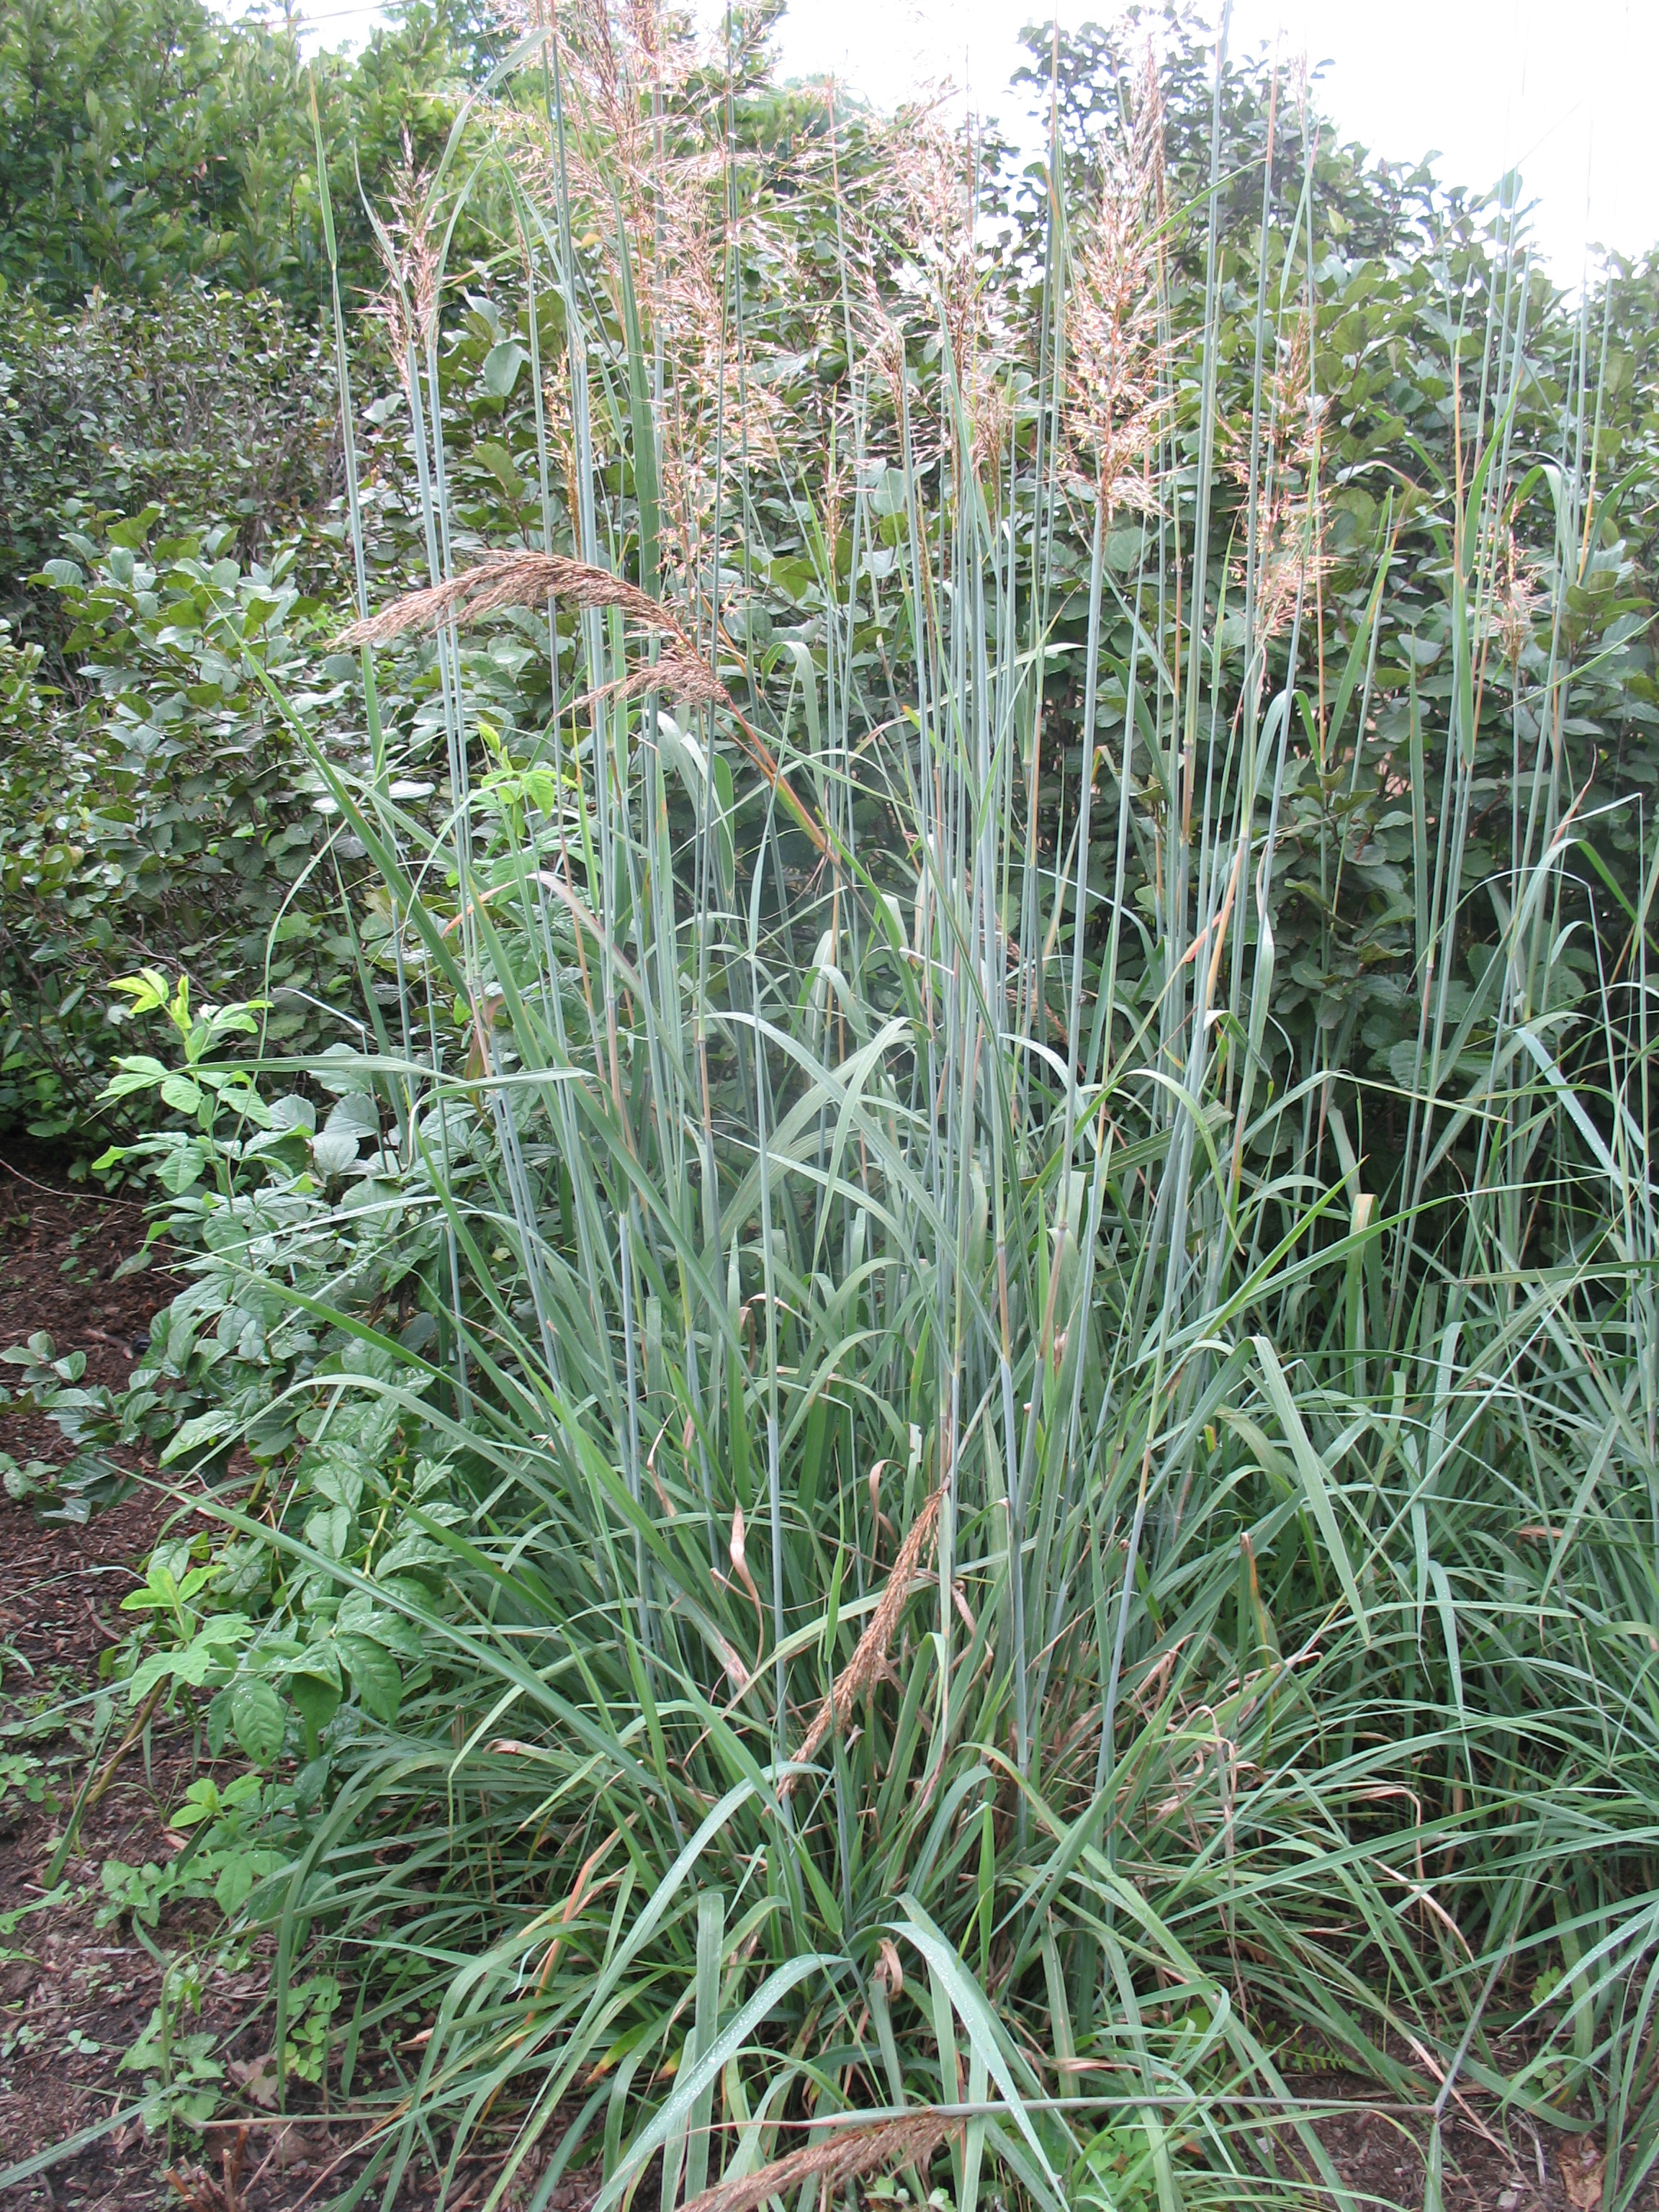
x=256 y=1714
x=375 y=1674
x=501 y=366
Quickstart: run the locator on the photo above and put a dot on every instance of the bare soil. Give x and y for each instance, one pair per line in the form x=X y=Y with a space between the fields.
x=74 y=1996
x=1490 y=2165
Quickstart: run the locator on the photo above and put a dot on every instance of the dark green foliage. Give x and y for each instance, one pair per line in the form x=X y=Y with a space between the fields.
x=145 y=142
x=167 y=818
x=204 y=403
x=897 y=1446
x=154 y=807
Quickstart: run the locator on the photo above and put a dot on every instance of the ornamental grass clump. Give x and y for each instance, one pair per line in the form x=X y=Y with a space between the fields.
x=977 y=1453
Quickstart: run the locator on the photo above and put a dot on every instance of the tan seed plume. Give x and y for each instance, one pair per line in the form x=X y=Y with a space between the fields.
x=529 y=579
x=407 y=305
x=679 y=672
x=869 y=1659
x=847 y=2153
x=511 y=580
x=1115 y=400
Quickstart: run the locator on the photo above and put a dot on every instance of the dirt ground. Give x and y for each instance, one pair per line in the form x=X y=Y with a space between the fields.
x=75 y=1996
x=1488 y=2166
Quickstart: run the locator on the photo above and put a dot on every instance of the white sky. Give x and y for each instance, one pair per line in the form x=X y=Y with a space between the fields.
x=1565 y=90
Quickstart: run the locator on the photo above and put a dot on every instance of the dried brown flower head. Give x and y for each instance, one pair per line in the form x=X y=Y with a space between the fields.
x=1289 y=524
x=644 y=161
x=991 y=410
x=1114 y=355
x=869 y=1660
x=530 y=580
x=1516 y=597
x=407 y=304
x=843 y=2154
x=509 y=580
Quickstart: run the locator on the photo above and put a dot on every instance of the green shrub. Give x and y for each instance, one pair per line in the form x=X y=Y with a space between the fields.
x=170 y=815
x=144 y=144
x=156 y=805
x=201 y=404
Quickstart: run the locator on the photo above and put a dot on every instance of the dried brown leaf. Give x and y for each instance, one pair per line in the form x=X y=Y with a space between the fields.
x=1582 y=2169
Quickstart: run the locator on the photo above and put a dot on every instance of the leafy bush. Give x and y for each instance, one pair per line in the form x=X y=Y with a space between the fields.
x=157 y=804
x=200 y=404
x=172 y=814
x=147 y=143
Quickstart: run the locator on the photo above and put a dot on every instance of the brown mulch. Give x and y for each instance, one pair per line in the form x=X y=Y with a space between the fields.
x=71 y=1998
x=1490 y=2164
x=74 y=1997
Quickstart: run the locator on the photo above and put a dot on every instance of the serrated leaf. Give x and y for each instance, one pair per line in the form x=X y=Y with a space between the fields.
x=374 y=1672
x=239 y=1875
x=256 y=1714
